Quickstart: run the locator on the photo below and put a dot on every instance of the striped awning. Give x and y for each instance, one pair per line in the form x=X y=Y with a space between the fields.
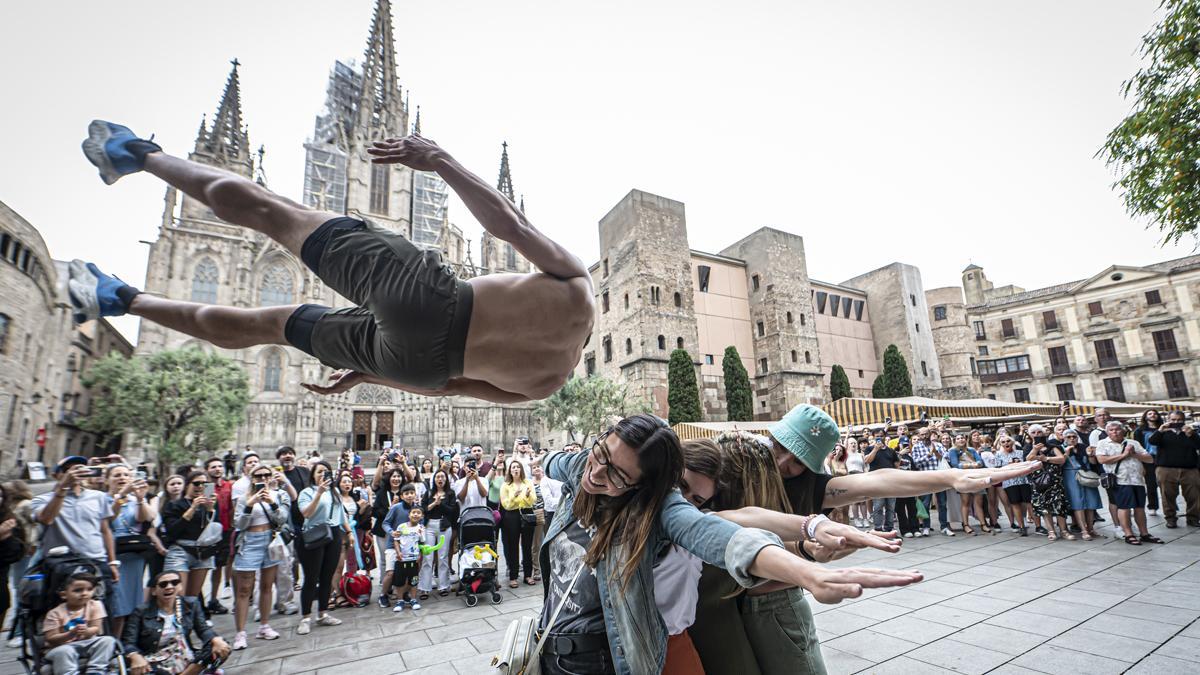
x=691 y=430
x=861 y=411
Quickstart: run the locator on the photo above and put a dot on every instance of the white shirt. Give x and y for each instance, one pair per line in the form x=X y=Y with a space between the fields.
x=473 y=497
x=240 y=487
x=1129 y=471
x=551 y=493
x=677 y=588
x=1095 y=436
x=854 y=462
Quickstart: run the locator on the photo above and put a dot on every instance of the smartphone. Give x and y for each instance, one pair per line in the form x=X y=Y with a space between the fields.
x=279 y=468
x=1176 y=425
x=96 y=471
x=259 y=487
x=209 y=489
x=141 y=475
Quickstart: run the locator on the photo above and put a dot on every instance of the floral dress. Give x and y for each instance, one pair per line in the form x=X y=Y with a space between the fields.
x=1051 y=501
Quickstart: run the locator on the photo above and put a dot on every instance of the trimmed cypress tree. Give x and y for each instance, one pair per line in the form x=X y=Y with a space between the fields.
x=738 y=399
x=879 y=387
x=895 y=373
x=839 y=383
x=683 y=394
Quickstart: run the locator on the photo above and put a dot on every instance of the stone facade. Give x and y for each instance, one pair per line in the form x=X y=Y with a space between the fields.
x=953 y=341
x=844 y=334
x=900 y=316
x=1126 y=334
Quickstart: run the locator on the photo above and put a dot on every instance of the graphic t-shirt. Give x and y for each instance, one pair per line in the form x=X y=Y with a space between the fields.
x=409 y=542
x=582 y=612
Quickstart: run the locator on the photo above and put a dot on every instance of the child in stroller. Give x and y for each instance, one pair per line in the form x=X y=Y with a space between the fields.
x=477 y=560
x=72 y=630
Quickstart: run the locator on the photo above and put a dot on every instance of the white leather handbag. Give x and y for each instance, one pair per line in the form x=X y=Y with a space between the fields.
x=520 y=652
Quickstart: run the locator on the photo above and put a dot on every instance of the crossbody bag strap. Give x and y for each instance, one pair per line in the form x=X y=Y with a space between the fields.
x=537 y=651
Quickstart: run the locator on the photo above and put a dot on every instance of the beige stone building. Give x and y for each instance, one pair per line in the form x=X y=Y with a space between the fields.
x=201 y=258
x=844 y=334
x=1123 y=334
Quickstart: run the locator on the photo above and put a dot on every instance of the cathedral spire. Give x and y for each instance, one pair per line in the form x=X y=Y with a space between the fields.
x=417 y=124
x=380 y=108
x=202 y=135
x=522 y=207
x=504 y=185
x=228 y=136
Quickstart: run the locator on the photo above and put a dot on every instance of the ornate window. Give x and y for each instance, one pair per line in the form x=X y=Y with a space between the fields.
x=277 y=286
x=204 y=281
x=380 y=179
x=272 y=371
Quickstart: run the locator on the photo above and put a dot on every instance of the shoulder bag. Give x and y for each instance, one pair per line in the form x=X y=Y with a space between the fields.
x=1109 y=480
x=1086 y=478
x=320 y=535
x=520 y=652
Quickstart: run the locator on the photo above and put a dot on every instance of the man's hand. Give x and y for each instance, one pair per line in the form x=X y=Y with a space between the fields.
x=413 y=151
x=76 y=475
x=974 y=480
x=116 y=573
x=831 y=586
x=837 y=537
x=339 y=381
x=7 y=527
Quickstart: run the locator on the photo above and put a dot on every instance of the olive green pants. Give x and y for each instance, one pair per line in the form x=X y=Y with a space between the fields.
x=782 y=633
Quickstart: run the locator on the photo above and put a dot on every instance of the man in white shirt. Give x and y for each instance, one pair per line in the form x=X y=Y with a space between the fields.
x=1124 y=458
x=472 y=489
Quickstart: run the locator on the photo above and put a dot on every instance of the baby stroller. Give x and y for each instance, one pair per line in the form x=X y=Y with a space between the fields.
x=477 y=560
x=37 y=594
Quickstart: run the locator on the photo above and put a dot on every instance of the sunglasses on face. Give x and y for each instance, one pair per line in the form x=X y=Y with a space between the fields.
x=168 y=583
x=198 y=483
x=261 y=476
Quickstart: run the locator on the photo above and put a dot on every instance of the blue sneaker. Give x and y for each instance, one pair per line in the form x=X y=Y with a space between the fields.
x=106 y=148
x=399 y=606
x=414 y=604
x=95 y=294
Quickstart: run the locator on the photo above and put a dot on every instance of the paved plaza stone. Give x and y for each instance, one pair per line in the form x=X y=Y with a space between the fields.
x=990 y=604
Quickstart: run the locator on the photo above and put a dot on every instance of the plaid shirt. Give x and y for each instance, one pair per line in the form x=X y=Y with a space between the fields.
x=923 y=457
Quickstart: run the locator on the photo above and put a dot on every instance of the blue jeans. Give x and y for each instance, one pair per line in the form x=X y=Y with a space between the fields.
x=943 y=517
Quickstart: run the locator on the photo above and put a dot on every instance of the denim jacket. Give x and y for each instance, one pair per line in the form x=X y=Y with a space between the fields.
x=637 y=636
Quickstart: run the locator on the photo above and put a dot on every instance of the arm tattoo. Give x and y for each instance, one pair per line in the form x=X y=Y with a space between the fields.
x=835 y=491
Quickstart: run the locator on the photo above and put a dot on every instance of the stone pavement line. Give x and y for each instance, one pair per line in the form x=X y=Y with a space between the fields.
x=1070 y=615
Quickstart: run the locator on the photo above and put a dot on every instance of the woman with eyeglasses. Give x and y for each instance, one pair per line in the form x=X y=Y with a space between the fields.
x=620 y=508
x=161 y=637
x=1083 y=500
x=322 y=538
x=132 y=515
x=517 y=522
x=258 y=516
x=184 y=520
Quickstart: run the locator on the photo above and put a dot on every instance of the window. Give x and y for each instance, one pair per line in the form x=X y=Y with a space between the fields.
x=662 y=343
x=980 y=333
x=5 y=322
x=607 y=348
x=510 y=256
x=858 y=309
x=589 y=365
x=913 y=298
x=628 y=346
x=802 y=322
x=679 y=343
x=1058 y=361
x=762 y=366
x=754 y=282
x=793 y=356
x=822 y=297
x=606 y=268
x=604 y=302
x=655 y=293
x=276 y=286
x=381 y=175
x=1153 y=298
x=1106 y=354
x=626 y=301
x=204 y=281
x=1164 y=344
x=939 y=313
x=271 y=372
x=708 y=359
x=678 y=300
x=983 y=350
x=703 y=273
x=1007 y=329
x=789 y=317
x=1021 y=395
x=1176 y=384
x=1114 y=390
x=1050 y=320
x=1066 y=392
x=1095 y=308
x=924 y=369
x=808 y=357
x=974 y=366
x=860 y=374
x=992 y=396
x=918 y=328
x=761 y=329
x=1018 y=365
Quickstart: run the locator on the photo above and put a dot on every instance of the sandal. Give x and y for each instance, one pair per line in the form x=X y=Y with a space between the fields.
x=423 y=597
x=1133 y=541
x=986 y=529
x=1051 y=537
x=513 y=584
x=1086 y=536
x=1151 y=539
x=530 y=582
x=967 y=529
x=1070 y=537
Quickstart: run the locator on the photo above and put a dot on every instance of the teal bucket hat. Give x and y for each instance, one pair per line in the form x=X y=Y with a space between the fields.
x=809 y=433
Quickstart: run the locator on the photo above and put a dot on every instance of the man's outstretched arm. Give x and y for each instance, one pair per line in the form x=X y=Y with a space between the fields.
x=881 y=483
x=494 y=211
x=345 y=380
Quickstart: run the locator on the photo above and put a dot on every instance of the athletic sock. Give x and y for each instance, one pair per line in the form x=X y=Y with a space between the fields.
x=139 y=148
x=126 y=294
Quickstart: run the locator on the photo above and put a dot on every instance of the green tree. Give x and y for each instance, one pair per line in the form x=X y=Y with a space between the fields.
x=584 y=406
x=683 y=394
x=181 y=403
x=879 y=387
x=897 y=383
x=739 y=401
x=1154 y=150
x=839 y=383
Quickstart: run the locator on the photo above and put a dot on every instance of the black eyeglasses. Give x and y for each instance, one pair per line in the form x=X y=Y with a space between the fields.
x=168 y=583
x=611 y=472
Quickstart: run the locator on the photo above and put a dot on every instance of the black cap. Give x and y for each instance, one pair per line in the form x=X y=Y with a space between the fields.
x=523 y=440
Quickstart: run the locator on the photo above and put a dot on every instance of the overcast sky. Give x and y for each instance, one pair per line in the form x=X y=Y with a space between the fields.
x=932 y=133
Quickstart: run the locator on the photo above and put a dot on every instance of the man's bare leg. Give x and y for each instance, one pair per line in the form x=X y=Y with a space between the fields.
x=239 y=200
x=225 y=327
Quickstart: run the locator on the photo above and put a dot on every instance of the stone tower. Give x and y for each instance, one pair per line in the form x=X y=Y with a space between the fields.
x=975 y=285
x=645 y=295
x=954 y=342
x=900 y=316
x=779 y=288
x=498 y=255
x=380 y=192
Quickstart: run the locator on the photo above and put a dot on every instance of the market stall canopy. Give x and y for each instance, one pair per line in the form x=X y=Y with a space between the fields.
x=691 y=430
x=861 y=412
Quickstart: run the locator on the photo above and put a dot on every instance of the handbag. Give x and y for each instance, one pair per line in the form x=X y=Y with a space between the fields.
x=209 y=540
x=1043 y=481
x=320 y=535
x=1087 y=479
x=528 y=517
x=1109 y=480
x=521 y=649
x=133 y=543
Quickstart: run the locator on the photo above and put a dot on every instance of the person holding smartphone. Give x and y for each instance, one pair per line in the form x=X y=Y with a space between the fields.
x=1178 y=446
x=258 y=516
x=321 y=507
x=184 y=520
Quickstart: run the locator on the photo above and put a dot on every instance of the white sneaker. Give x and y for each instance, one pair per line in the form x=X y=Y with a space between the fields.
x=925 y=532
x=304 y=628
x=908 y=535
x=326 y=620
x=239 y=641
x=14 y=643
x=265 y=632
x=948 y=532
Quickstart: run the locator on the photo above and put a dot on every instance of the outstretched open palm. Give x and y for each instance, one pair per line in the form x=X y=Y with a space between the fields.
x=414 y=151
x=339 y=381
x=974 y=480
x=831 y=586
x=837 y=540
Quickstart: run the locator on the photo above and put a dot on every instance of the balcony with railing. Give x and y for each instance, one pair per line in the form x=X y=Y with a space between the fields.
x=992 y=378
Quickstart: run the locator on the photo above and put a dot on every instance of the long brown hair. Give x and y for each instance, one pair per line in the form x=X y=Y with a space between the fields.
x=749 y=475
x=627 y=520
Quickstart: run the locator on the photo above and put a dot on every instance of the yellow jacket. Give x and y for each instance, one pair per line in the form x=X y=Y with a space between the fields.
x=513 y=496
